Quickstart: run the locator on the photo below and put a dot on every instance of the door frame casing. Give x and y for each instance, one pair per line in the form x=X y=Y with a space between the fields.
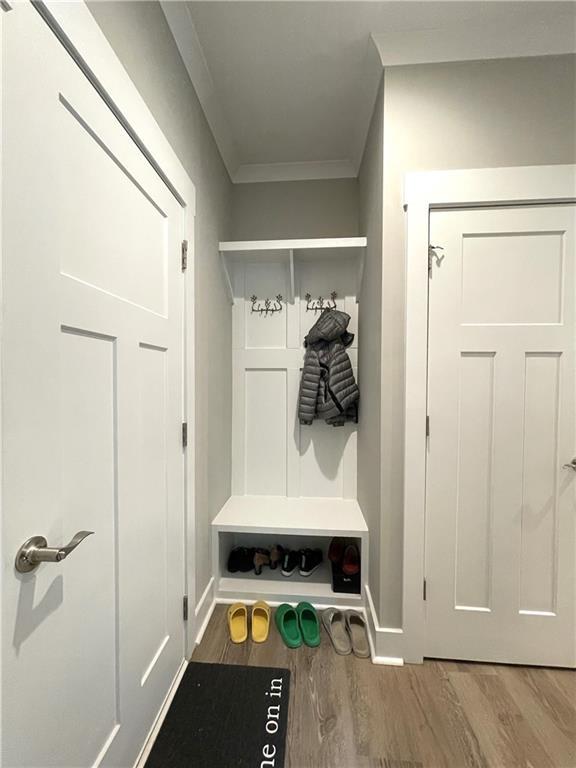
x=423 y=192
x=79 y=33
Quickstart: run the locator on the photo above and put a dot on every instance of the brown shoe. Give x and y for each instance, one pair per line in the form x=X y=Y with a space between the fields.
x=276 y=555
x=261 y=557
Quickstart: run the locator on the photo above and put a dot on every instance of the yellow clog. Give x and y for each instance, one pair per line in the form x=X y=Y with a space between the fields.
x=238 y=622
x=260 y=621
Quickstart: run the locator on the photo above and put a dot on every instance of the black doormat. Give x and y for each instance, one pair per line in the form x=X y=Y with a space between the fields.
x=225 y=716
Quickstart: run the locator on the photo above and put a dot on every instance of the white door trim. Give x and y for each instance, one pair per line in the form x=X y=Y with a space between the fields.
x=424 y=191
x=79 y=33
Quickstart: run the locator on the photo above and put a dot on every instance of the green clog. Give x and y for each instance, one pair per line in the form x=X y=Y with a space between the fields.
x=286 y=620
x=309 y=624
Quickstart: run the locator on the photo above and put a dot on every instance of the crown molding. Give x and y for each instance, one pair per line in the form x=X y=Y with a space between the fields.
x=306 y=171
x=188 y=43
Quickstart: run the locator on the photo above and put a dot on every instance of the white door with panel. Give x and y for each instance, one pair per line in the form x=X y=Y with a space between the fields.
x=92 y=407
x=501 y=488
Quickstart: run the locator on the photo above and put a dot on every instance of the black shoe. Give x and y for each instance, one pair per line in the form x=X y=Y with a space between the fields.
x=234 y=559
x=310 y=561
x=241 y=559
x=290 y=562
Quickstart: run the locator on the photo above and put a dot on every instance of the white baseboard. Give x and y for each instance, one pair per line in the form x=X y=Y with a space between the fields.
x=151 y=738
x=386 y=643
x=388 y=661
x=204 y=610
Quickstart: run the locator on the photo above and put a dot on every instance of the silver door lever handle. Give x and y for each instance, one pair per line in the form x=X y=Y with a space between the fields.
x=571 y=465
x=36 y=551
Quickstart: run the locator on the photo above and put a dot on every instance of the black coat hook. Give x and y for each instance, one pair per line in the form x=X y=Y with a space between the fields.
x=320 y=304
x=267 y=307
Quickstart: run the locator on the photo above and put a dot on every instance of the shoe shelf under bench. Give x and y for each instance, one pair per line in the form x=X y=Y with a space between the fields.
x=294 y=523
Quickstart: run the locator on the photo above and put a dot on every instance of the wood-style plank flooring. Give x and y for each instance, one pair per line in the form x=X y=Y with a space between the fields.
x=348 y=713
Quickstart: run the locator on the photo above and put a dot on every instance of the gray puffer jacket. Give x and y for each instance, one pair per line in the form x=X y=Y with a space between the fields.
x=327 y=389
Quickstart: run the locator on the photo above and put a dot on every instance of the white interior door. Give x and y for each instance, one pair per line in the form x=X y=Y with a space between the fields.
x=501 y=507
x=92 y=408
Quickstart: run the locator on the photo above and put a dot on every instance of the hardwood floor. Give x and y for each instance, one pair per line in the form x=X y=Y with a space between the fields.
x=348 y=713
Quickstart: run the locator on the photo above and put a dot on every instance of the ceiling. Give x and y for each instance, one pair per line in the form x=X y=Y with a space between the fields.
x=288 y=88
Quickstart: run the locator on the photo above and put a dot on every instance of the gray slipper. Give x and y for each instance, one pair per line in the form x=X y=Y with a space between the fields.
x=356 y=627
x=335 y=625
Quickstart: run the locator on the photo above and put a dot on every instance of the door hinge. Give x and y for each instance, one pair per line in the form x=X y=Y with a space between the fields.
x=424 y=590
x=184 y=434
x=185 y=607
x=427 y=426
x=184 y=255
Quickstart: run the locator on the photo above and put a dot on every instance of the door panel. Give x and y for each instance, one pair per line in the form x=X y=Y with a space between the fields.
x=538 y=550
x=524 y=287
x=91 y=160
x=88 y=502
x=92 y=405
x=474 y=511
x=500 y=542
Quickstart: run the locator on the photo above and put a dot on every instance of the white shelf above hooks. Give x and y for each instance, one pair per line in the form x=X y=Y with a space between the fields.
x=289 y=249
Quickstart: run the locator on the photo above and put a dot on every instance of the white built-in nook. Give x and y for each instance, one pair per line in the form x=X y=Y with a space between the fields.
x=292 y=484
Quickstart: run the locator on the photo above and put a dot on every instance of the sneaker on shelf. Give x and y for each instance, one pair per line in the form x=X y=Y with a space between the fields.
x=351 y=561
x=310 y=561
x=290 y=562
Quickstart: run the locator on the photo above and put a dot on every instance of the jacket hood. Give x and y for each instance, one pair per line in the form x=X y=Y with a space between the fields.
x=331 y=325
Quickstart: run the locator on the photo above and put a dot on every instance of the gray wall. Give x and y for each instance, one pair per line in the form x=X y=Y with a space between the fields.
x=322 y=208
x=142 y=40
x=369 y=352
x=460 y=115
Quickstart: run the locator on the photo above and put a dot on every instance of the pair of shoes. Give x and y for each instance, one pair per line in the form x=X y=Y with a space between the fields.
x=298 y=625
x=238 y=622
x=347 y=631
x=306 y=560
x=241 y=559
x=344 y=556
